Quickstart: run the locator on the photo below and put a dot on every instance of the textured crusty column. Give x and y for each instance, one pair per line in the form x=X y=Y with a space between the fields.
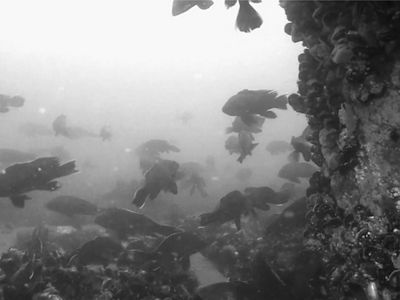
x=349 y=81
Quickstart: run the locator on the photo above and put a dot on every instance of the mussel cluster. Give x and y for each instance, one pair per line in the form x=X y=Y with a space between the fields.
x=348 y=69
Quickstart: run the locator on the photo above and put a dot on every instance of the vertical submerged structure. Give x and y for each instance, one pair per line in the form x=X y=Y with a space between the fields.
x=349 y=88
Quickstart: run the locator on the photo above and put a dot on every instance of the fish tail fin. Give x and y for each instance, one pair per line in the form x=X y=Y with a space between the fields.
x=66 y=169
x=140 y=197
x=248 y=18
x=208 y=218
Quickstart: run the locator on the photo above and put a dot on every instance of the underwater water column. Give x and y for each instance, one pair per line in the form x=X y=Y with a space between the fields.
x=348 y=86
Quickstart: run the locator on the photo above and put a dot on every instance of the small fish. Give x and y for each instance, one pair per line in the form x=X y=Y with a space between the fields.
x=157 y=147
x=101 y=250
x=247 y=103
x=248 y=18
x=160 y=177
x=293 y=170
x=60 y=126
x=181 y=6
x=8 y=101
x=128 y=223
x=38 y=174
x=278 y=147
x=71 y=206
x=231 y=207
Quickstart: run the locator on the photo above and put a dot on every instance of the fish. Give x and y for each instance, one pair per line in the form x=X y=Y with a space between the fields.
x=230 y=208
x=160 y=177
x=71 y=206
x=293 y=170
x=301 y=146
x=246 y=145
x=232 y=144
x=39 y=174
x=11 y=156
x=248 y=18
x=177 y=248
x=59 y=126
x=232 y=290
x=181 y=6
x=129 y=223
x=254 y=125
x=278 y=147
x=101 y=250
x=8 y=101
x=155 y=147
x=247 y=103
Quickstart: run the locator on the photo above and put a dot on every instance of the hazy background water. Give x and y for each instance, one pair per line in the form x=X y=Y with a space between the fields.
x=132 y=66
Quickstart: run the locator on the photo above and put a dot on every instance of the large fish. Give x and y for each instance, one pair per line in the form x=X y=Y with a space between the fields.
x=39 y=174
x=231 y=207
x=160 y=177
x=261 y=197
x=247 y=103
x=70 y=206
x=128 y=223
x=101 y=250
x=292 y=171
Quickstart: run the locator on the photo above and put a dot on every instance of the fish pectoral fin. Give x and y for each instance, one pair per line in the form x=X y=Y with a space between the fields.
x=269 y=114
